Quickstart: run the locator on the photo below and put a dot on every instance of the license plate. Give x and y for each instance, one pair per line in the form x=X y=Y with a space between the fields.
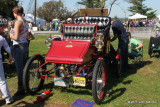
x=78 y=81
x=60 y=82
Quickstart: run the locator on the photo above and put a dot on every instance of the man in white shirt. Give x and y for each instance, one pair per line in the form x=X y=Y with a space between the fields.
x=3 y=85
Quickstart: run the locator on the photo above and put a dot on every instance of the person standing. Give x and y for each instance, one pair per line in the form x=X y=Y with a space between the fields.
x=56 y=25
x=51 y=26
x=20 y=46
x=39 y=26
x=3 y=85
x=157 y=29
x=30 y=25
x=120 y=32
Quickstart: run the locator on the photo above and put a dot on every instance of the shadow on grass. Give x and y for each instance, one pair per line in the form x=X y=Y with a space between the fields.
x=20 y=102
x=2 y=102
x=26 y=104
x=9 y=70
x=156 y=55
x=133 y=68
x=114 y=94
x=113 y=81
x=72 y=89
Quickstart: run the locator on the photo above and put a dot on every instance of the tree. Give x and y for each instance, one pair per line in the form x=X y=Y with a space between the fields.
x=53 y=9
x=139 y=7
x=6 y=7
x=111 y=4
x=97 y=4
x=115 y=18
x=92 y=3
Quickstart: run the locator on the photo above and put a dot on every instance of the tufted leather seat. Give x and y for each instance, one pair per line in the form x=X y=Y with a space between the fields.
x=101 y=21
x=79 y=32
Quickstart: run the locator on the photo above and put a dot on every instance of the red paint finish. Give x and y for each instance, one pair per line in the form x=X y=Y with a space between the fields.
x=71 y=52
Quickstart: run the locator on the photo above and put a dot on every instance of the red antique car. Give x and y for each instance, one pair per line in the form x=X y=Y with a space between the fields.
x=80 y=57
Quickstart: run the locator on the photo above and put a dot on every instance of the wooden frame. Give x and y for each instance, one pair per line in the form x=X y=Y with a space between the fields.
x=94 y=12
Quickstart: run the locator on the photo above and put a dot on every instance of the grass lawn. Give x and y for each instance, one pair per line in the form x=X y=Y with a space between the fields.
x=137 y=88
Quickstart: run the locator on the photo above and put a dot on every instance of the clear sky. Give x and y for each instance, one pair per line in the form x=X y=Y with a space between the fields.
x=119 y=10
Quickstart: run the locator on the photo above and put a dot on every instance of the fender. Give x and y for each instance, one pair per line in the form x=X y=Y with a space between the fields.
x=117 y=56
x=40 y=56
x=37 y=54
x=100 y=58
x=118 y=53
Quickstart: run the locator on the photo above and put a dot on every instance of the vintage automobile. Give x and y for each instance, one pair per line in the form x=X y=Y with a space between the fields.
x=80 y=56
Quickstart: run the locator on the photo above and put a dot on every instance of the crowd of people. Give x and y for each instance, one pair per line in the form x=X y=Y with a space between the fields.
x=50 y=26
x=141 y=23
x=153 y=24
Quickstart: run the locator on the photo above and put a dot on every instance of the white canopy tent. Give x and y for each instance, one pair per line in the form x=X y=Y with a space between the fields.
x=137 y=16
x=30 y=18
x=159 y=17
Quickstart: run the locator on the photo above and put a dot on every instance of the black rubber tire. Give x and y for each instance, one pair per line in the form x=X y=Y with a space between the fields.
x=29 y=71
x=100 y=74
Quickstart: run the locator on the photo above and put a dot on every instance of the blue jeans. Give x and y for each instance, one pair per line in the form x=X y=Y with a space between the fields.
x=39 y=28
x=123 y=45
x=20 y=54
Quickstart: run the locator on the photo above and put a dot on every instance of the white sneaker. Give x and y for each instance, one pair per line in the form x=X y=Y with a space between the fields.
x=9 y=100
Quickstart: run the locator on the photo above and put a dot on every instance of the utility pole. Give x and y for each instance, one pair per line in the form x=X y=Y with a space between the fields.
x=20 y=3
x=35 y=2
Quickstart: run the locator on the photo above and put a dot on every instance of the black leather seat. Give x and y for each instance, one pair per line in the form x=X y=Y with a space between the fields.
x=79 y=32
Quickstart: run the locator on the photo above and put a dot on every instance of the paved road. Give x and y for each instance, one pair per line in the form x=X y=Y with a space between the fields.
x=44 y=32
x=143 y=35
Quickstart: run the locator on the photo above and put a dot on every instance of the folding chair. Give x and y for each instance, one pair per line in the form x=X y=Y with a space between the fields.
x=139 y=57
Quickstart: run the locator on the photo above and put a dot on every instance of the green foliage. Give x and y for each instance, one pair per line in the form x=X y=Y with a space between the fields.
x=92 y=3
x=115 y=18
x=6 y=7
x=53 y=9
x=139 y=7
